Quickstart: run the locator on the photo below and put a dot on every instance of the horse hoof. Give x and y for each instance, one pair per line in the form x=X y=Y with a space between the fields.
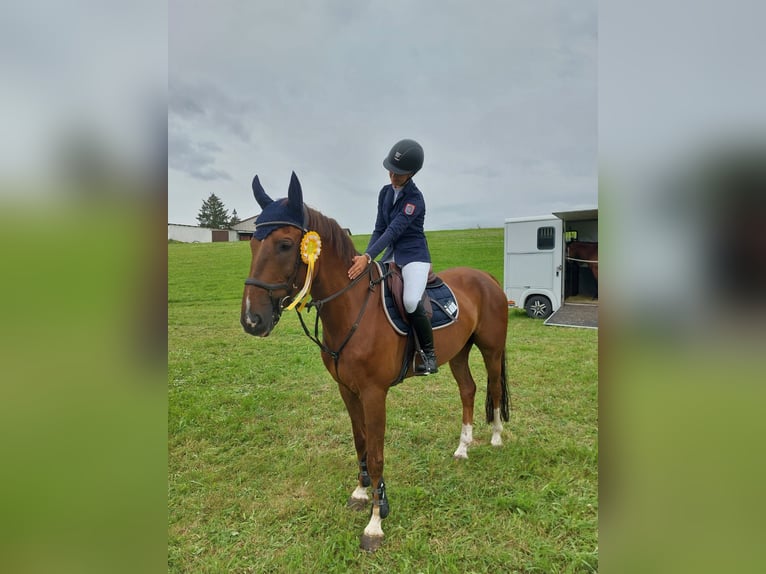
x=357 y=503
x=370 y=543
x=460 y=455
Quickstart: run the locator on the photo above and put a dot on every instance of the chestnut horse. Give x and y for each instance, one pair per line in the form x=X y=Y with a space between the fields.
x=360 y=349
x=584 y=252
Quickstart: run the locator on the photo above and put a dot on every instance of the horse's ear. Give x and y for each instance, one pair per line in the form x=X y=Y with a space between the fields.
x=295 y=194
x=260 y=194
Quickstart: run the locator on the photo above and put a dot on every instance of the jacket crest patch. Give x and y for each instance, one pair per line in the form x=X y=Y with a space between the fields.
x=409 y=208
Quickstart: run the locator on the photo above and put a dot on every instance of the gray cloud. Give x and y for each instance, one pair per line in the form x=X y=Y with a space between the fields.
x=182 y=103
x=205 y=106
x=195 y=159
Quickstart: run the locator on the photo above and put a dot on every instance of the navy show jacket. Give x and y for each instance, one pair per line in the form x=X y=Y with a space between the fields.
x=399 y=226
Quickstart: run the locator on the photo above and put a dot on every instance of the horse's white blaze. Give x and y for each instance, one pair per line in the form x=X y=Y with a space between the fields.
x=360 y=493
x=247 y=313
x=497 y=428
x=373 y=528
x=466 y=438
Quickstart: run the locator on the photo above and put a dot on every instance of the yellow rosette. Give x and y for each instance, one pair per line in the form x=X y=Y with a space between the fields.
x=311 y=247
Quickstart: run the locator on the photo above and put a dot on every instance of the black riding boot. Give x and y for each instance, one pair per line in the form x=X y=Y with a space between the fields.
x=422 y=326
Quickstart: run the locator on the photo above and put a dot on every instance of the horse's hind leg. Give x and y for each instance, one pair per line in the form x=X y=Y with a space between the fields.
x=359 y=499
x=467 y=386
x=497 y=405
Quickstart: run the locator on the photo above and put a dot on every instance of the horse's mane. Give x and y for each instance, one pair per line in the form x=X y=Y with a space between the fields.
x=332 y=233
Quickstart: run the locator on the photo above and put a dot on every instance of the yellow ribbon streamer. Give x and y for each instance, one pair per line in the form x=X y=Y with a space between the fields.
x=311 y=247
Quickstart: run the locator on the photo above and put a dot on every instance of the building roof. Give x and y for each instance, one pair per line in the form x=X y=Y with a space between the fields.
x=577 y=215
x=246 y=224
x=183 y=225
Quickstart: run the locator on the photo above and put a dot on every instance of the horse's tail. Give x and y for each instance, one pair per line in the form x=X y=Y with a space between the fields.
x=505 y=403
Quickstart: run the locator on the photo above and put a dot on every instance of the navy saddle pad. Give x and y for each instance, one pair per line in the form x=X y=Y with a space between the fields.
x=443 y=302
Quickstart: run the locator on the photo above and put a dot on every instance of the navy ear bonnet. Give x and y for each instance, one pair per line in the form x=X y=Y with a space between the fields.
x=276 y=214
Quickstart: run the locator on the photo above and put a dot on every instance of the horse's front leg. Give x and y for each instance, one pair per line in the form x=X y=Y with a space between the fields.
x=459 y=366
x=374 y=405
x=359 y=498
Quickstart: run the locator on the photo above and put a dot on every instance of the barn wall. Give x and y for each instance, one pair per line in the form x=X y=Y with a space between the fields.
x=190 y=234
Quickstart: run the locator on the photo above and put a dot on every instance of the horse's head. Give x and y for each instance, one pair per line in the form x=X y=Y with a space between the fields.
x=276 y=262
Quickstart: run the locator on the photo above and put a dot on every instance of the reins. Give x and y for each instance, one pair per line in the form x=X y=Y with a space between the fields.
x=319 y=303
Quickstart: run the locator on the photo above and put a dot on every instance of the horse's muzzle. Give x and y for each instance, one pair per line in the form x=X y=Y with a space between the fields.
x=255 y=324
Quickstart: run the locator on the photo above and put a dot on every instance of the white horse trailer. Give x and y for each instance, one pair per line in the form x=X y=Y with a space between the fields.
x=537 y=277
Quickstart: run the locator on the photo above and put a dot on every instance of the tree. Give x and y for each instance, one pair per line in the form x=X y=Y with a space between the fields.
x=213 y=214
x=234 y=218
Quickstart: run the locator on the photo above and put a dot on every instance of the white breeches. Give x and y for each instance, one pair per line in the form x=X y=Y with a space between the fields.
x=414 y=275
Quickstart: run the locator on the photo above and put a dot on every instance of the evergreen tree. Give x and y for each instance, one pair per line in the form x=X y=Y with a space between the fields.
x=213 y=214
x=234 y=219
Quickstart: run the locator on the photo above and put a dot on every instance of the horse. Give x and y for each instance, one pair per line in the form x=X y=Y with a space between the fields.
x=584 y=252
x=359 y=348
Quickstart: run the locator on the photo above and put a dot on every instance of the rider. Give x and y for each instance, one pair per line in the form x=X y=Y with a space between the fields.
x=399 y=227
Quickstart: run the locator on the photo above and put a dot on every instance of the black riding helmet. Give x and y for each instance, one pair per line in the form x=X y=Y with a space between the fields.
x=405 y=157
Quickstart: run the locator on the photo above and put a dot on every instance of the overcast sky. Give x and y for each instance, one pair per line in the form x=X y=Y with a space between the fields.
x=502 y=96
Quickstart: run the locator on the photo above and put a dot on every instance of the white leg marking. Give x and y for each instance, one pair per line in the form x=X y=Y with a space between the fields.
x=373 y=527
x=360 y=493
x=466 y=438
x=497 y=428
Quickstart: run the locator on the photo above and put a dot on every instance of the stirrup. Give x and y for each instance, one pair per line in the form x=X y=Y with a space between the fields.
x=422 y=368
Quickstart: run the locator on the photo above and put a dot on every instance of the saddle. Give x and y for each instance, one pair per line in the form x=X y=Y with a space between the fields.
x=438 y=300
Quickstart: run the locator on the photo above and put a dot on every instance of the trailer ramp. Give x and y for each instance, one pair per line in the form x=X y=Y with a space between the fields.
x=583 y=315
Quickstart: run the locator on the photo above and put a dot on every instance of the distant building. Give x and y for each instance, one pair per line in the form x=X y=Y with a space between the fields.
x=245 y=228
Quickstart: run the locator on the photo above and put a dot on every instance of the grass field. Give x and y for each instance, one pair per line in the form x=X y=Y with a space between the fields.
x=261 y=460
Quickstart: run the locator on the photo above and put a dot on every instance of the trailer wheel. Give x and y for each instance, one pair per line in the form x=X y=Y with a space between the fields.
x=538 y=307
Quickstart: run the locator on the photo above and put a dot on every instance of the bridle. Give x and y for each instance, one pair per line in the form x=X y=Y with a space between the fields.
x=277 y=303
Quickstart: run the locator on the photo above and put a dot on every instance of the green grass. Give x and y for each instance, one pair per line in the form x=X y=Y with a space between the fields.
x=261 y=460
